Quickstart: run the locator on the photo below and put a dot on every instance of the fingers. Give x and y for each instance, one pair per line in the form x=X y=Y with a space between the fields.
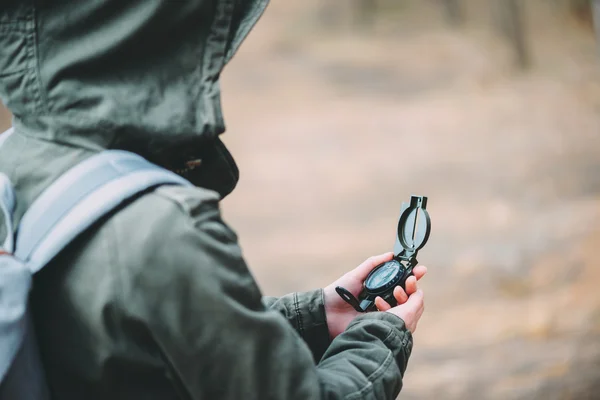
x=416 y=300
x=381 y=304
x=400 y=295
x=419 y=271
x=411 y=282
x=411 y=285
x=416 y=304
x=363 y=269
x=411 y=311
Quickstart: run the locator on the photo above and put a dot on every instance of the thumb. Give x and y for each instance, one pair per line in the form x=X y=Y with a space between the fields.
x=381 y=304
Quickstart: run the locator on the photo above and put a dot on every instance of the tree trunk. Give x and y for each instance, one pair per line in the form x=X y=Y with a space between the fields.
x=364 y=11
x=454 y=12
x=509 y=21
x=596 y=20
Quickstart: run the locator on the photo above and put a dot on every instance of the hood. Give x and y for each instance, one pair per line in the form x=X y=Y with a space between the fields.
x=137 y=75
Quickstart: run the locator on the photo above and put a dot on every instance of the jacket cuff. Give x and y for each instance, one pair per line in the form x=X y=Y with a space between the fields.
x=312 y=322
x=399 y=340
x=305 y=311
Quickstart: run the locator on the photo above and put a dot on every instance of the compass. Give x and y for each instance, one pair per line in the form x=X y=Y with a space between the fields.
x=414 y=226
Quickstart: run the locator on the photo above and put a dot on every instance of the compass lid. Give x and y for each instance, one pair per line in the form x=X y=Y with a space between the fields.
x=414 y=226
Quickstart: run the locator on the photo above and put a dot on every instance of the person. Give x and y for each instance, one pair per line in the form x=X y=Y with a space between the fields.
x=155 y=301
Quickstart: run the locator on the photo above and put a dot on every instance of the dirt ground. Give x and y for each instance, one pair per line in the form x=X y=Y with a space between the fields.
x=334 y=127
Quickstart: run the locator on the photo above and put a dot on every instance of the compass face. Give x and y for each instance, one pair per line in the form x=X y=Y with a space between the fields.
x=384 y=275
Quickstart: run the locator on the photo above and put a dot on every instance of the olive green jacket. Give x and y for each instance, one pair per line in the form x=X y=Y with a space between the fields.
x=155 y=301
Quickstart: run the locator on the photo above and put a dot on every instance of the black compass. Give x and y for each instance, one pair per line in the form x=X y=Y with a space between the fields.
x=414 y=226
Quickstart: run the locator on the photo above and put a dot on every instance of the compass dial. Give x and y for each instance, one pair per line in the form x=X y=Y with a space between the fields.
x=385 y=276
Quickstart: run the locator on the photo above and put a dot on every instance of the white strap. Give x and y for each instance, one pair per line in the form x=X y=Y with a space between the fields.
x=81 y=197
x=7 y=201
x=4 y=135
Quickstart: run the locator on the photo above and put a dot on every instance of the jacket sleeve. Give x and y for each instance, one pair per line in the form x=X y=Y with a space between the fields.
x=204 y=311
x=305 y=311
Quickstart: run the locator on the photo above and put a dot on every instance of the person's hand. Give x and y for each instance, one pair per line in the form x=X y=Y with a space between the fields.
x=410 y=307
x=339 y=313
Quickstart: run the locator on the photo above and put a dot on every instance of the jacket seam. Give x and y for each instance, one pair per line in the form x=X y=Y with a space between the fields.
x=175 y=376
x=371 y=378
x=172 y=373
x=115 y=264
x=17 y=181
x=43 y=101
x=13 y=73
x=389 y=335
x=249 y=22
x=405 y=340
x=393 y=333
x=32 y=54
x=11 y=26
x=185 y=208
x=298 y=315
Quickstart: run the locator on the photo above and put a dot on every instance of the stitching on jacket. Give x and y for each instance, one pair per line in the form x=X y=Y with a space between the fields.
x=298 y=315
x=181 y=196
x=12 y=26
x=40 y=94
x=13 y=73
x=172 y=372
x=213 y=61
x=115 y=260
x=405 y=337
x=33 y=75
x=21 y=24
x=393 y=332
x=249 y=22
x=371 y=378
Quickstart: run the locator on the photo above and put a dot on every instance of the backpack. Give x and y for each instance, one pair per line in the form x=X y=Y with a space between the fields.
x=73 y=203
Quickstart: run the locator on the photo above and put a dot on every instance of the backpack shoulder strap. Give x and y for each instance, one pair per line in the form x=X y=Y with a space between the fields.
x=7 y=205
x=79 y=198
x=4 y=135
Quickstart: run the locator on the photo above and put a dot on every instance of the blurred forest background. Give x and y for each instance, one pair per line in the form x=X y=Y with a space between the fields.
x=338 y=111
